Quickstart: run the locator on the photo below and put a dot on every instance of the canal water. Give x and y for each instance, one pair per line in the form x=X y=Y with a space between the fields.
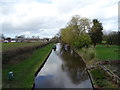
x=63 y=69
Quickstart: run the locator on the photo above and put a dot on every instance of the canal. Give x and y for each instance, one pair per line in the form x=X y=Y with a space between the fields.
x=63 y=69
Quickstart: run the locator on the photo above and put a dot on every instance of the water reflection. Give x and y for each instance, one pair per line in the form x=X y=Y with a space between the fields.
x=73 y=65
x=63 y=69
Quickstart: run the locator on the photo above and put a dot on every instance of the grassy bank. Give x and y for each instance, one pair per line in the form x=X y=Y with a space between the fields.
x=9 y=46
x=25 y=70
x=92 y=55
x=88 y=54
x=0 y=47
x=98 y=53
x=100 y=80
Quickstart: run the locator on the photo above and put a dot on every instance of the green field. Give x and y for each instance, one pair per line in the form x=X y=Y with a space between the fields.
x=9 y=46
x=24 y=71
x=110 y=53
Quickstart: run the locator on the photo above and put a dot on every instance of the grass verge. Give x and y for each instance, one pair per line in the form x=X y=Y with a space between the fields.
x=100 y=80
x=88 y=54
x=92 y=55
x=25 y=70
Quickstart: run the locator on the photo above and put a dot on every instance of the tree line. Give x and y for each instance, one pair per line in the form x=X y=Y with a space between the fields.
x=112 y=38
x=80 y=31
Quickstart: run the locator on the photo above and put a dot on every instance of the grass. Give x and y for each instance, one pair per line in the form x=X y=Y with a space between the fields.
x=25 y=70
x=100 y=80
x=91 y=55
x=9 y=46
x=104 y=53
x=0 y=47
x=100 y=52
x=88 y=54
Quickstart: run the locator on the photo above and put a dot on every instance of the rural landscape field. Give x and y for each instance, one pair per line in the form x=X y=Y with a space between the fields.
x=60 y=44
x=21 y=70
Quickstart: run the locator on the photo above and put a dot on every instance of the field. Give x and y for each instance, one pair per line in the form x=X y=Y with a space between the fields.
x=9 y=46
x=110 y=53
x=24 y=72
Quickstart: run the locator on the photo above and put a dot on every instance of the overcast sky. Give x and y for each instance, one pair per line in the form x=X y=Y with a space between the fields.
x=46 y=17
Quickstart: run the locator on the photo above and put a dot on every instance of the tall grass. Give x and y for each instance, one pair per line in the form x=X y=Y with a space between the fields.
x=100 y=52
x=87 y=53
x=100 y=80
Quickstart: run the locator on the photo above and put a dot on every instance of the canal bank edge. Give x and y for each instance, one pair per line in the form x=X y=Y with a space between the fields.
x=42 y=64
x=115 y=79
x=88 y=71
x=41 y=67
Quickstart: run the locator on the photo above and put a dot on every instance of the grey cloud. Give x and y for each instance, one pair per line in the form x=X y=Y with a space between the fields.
x=35 y=26
x=50 y=25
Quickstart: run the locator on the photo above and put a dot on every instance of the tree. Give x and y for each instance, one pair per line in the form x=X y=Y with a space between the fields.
x=82 y=41
x=85 y=24
x=33 y=37
x=113 y=38
x=75 y=32
x=96 y=32
x=79 y=25
x=68 y=35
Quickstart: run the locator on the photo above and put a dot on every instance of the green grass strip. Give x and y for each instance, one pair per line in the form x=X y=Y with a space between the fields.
x=24 y=72
x=100 y=80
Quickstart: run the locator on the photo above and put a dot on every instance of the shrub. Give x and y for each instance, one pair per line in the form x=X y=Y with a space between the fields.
x=91 y=54
x=82 y=41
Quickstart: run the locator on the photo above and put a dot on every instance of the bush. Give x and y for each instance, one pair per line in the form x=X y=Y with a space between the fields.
x=91 y=54
x=88 y=53
x=82 y=41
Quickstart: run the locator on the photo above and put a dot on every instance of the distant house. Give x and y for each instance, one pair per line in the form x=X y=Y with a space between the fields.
x=13 y=40
x=20 y=38
x=45 y=40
